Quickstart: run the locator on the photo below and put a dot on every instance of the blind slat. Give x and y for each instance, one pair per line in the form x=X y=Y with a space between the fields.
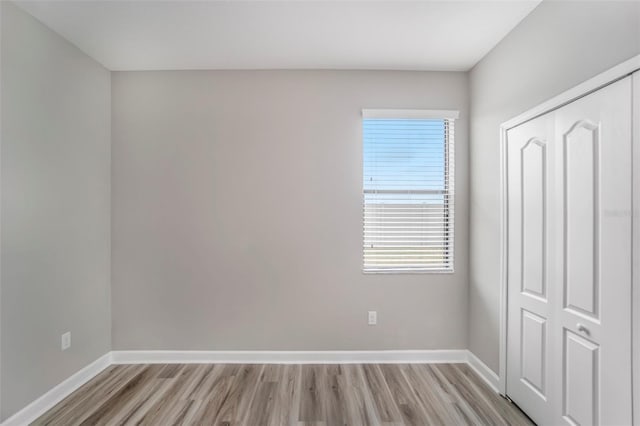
x=408 y=166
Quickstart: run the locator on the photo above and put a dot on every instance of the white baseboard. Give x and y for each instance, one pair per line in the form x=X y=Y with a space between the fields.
x=290 y=357
x=41 y=405
x=34 y=410
x=487 y=374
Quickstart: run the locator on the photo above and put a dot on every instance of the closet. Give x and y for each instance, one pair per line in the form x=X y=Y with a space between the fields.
x=569 y=260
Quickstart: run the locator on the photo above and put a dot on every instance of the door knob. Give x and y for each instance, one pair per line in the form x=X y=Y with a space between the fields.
x=582 y=329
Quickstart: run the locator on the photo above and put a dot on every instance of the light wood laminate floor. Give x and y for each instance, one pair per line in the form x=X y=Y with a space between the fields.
x=236 y=394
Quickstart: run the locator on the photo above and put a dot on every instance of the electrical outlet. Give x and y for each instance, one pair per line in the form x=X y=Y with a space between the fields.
x=66 y=340
x=373 y=318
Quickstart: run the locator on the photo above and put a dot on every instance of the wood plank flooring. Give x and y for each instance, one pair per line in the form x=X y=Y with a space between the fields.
x=275 y=395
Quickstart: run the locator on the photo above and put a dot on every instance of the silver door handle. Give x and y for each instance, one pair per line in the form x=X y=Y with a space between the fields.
x=582 y=328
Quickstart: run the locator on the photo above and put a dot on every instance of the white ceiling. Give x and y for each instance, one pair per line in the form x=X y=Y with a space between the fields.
x=298 y=34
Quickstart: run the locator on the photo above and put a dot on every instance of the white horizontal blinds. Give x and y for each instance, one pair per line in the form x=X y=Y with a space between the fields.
x=408 y=194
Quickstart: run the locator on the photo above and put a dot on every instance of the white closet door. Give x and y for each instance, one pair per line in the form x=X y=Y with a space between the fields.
x=592 y=281
x=529 y=168
x=569 y=183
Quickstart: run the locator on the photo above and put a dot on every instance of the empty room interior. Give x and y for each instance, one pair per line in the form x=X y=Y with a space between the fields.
x=319 y=212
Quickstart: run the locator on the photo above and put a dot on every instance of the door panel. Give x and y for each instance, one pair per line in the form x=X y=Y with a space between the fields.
x=533 y=184
x=533 y=343
x=593 y=204
x=581 y=206
x=529 y=312
x=580 y=401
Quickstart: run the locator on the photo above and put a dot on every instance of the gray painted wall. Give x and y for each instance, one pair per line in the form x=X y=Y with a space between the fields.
x=55 y=222
x=559 y=45
x=237 y=214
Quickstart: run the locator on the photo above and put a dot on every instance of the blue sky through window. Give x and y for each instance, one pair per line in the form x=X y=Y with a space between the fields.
x=404 y=154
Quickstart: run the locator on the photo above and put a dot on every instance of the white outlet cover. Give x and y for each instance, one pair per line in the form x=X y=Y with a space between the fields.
x=373 y=318
x=66 y=341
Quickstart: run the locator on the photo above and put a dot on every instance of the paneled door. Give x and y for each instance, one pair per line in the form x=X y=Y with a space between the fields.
x=592 y=282
x=530 y=254
x=569 y=222
x=569 y=217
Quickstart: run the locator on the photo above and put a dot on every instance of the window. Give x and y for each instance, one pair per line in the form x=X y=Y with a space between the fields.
x=408 y=165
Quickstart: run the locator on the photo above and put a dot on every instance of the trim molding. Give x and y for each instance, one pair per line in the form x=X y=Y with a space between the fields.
x=487 y=374
x=605 y=78
x=410 y=113
x=504 y=264
x=41 y=405
x=290 y=357
x=635 y=307
x=455 y=356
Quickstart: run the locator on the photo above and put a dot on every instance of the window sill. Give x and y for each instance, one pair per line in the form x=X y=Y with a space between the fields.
x=411 y=272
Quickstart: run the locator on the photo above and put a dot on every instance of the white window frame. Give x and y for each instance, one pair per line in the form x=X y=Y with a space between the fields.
x=449 y=192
